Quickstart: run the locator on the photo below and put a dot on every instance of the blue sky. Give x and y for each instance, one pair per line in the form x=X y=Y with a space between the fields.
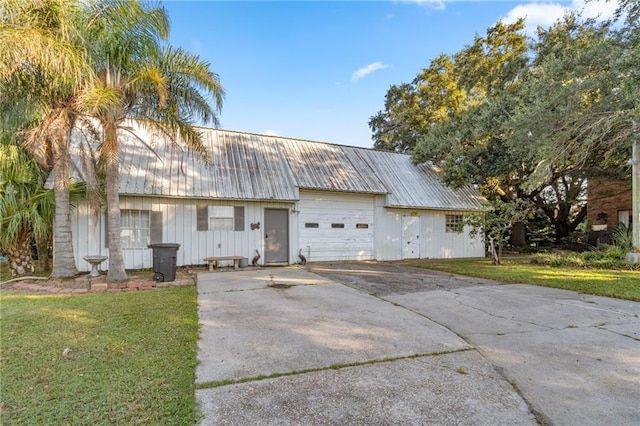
x=319 y=70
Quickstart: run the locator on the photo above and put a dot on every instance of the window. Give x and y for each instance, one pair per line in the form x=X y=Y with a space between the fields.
x=362 y=226
x=310 y=225
x=136 y=228
x=625 y=217
x=337 y=225
x=220 y=218
x=453 y=223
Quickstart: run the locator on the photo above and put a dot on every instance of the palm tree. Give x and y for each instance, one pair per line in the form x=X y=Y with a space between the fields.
x=26 y=208
x=137 y=77
x=42 y=65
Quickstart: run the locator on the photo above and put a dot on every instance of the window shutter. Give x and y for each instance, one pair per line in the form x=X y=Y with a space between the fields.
x=238 y=218
x=155 y=233
x=202 y=216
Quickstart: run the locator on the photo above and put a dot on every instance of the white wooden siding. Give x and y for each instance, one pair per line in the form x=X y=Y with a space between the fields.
x=88 y=236
x=439 y=244
x=179 y=226
x=435 y=242
x=327 y=243
x=382 y=240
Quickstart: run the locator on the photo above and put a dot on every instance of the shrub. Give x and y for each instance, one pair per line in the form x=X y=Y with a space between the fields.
x=622 y=237
x=548 y=259
x=576 y=260
x=611 y=258
x=610 y=253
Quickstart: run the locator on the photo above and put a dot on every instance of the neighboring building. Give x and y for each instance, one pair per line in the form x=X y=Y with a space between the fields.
x=281 y=197
x=609 y=203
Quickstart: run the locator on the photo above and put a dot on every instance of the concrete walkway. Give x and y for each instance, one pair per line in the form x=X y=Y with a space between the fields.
x=287 y=346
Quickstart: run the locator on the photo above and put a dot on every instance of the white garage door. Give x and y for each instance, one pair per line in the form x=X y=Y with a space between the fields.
x=336 y=226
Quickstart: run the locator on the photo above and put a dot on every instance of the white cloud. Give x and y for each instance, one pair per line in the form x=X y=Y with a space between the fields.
x=544 y=14
x=597 y=9
x=536 y=15
x=271 y=132
x=434 y=4
x=364 y=71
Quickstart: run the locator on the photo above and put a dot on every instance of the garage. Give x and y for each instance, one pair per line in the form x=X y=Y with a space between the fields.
x=336 y=226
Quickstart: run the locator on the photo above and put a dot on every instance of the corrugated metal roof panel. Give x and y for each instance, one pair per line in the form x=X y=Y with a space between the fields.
x=241 y=166
x=418 y=186
x=328 y=167
x=259 y=167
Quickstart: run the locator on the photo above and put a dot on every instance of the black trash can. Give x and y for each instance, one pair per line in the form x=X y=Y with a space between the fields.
x=164 y=261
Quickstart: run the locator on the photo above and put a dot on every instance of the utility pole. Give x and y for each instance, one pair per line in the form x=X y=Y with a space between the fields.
x=634 y=255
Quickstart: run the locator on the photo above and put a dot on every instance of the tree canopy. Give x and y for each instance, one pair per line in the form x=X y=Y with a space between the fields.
x=43 y=64
x=66 y=62
x=138 y=76
x=523 y=119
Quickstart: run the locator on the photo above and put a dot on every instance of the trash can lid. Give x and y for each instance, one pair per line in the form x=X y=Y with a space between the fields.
x=164 y=245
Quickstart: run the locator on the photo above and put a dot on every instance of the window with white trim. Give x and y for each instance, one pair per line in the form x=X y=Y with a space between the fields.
x=135 y=228
x=454 y=223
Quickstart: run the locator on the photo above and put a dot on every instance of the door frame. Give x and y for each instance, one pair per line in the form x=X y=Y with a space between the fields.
x=416 y=219
x=286 y=237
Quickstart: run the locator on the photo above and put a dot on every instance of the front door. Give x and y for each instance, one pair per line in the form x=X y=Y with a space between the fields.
x=410 y=237
x=276 y=236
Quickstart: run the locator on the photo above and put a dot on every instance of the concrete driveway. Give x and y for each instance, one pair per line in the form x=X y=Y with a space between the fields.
x=381 y=343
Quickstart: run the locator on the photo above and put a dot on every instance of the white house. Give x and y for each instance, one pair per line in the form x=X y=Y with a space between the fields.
x=281 y=197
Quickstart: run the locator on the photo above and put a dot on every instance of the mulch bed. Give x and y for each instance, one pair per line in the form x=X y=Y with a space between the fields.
x=83 y=284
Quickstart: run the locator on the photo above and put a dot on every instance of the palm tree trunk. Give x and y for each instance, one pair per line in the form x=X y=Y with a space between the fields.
x=64 y=263
x=42 y=246
x=116 y=271
x=19 y=255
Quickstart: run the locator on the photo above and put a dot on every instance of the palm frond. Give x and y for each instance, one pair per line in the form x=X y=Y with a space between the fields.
x=25 y=206
x=44 y=35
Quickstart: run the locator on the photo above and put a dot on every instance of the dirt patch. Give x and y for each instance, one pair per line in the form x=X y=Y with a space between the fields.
x=137 y=280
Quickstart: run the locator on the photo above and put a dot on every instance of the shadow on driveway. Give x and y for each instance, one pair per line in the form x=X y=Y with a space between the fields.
x=312 y=351
x=386 y=278
x=574 y=358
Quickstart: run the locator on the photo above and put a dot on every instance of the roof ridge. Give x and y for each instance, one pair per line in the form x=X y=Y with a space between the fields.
x=291 y=138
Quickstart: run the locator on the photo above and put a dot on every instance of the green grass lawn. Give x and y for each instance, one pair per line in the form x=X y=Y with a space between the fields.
x=612 y=283
x=130 y=360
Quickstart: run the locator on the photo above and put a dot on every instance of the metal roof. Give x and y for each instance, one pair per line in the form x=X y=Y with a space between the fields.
x=410 y=185
x=241 y=166
x=328 y=167
x=260 y=167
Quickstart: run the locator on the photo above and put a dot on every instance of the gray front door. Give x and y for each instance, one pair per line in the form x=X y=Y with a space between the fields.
x=276 y=236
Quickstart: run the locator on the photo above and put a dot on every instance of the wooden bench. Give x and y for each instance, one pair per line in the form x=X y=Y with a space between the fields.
x=213 y=261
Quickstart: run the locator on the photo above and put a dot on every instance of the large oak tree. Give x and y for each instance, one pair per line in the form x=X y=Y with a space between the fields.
x=522 y=120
